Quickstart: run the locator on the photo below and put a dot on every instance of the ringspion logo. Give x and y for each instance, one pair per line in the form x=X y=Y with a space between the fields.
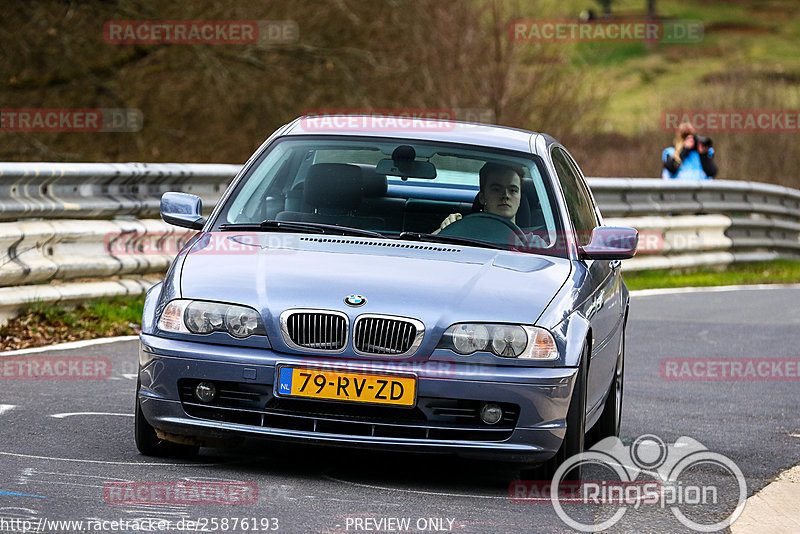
x=705 y=491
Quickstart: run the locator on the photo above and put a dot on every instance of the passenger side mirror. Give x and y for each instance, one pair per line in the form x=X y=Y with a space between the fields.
x=611 y=243
x=182 y=209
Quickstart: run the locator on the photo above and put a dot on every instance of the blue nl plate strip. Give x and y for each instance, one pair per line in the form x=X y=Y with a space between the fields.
x=285 y=381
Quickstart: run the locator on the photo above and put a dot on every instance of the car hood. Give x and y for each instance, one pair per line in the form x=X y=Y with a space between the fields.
x=435 y=283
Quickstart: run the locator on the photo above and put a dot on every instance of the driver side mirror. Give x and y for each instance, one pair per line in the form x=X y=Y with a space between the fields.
x=611 y=243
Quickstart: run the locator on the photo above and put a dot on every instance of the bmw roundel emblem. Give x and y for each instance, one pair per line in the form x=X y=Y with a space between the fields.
x=355 y=300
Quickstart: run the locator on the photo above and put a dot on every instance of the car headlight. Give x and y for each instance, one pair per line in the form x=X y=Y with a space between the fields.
x=468 y=338
x=504 y=340
x=509 y=341
x=203 y=317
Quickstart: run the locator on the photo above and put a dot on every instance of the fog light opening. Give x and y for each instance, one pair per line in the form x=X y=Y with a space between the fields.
x=205 y=391
x=491 y=414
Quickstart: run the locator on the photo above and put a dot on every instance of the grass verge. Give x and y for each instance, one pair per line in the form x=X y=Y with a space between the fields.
x=44 y=324
x=768 y=272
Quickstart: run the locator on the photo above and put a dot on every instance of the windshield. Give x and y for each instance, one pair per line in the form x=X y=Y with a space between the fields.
x=400 y=189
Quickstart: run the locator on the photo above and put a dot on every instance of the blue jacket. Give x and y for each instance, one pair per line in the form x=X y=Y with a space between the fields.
x=691 y=168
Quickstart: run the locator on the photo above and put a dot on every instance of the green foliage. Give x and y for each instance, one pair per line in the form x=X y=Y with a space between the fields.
x=606 y=54
x=44 y=324
x=380 y=54
x=115 y=316
x=771 y=272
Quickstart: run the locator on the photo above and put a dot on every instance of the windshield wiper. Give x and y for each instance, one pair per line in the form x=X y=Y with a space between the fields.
x=454 y=240
x=295 y=226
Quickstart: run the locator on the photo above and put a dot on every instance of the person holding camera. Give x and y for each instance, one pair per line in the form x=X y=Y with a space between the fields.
x=692 y=157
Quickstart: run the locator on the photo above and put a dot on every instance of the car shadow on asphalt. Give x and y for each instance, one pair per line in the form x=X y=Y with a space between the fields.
x=432 y=472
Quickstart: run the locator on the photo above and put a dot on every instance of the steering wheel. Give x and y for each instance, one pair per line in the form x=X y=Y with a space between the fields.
x=486 y=227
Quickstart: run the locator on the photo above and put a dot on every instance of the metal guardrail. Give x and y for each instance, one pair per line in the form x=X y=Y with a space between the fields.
x=763 y=219
x=42 y=260
x=679 y=241
x=34 y=252
x=104 y=190
x=625 y=197
x=89 y=220
x=107 y=190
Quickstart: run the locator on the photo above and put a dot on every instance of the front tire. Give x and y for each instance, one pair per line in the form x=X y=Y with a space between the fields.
x=575 y=436
x=610 y=420
x=150 y=444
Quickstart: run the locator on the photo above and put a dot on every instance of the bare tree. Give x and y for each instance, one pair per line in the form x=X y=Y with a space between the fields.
x=651 y=9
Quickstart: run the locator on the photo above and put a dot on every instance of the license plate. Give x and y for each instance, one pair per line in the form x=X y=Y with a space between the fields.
x=346 y=386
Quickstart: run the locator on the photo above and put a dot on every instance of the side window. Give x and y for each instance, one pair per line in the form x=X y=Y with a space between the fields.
x=578 y=200
x=584 y=186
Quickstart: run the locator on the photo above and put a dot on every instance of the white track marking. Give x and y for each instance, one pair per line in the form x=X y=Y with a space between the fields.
x=70 y=345
x=70 y=414
x=106 y=462
x=6 y=408
x=708 y=289
x=34 y=471
x=75 y=484
x=27 y=473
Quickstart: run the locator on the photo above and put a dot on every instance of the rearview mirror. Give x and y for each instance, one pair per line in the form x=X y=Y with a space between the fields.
x=406 y=168
x=611 y=243
x=182 y=209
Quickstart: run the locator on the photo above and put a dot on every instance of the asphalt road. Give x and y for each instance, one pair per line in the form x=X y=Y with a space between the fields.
x=57 y=461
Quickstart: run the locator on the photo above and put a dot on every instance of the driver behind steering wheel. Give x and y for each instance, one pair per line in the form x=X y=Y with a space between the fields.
x=500 y=192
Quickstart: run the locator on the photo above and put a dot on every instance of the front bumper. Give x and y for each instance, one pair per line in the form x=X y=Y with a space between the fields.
x=533 y=429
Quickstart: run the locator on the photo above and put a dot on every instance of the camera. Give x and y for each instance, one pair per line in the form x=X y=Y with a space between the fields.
x=701 y=139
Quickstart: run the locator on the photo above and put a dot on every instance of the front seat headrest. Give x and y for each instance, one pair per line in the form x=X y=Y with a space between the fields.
x=333 y=186
x=374 y=184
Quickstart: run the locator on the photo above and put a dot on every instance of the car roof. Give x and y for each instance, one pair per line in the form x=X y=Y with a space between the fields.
x=427 y=129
